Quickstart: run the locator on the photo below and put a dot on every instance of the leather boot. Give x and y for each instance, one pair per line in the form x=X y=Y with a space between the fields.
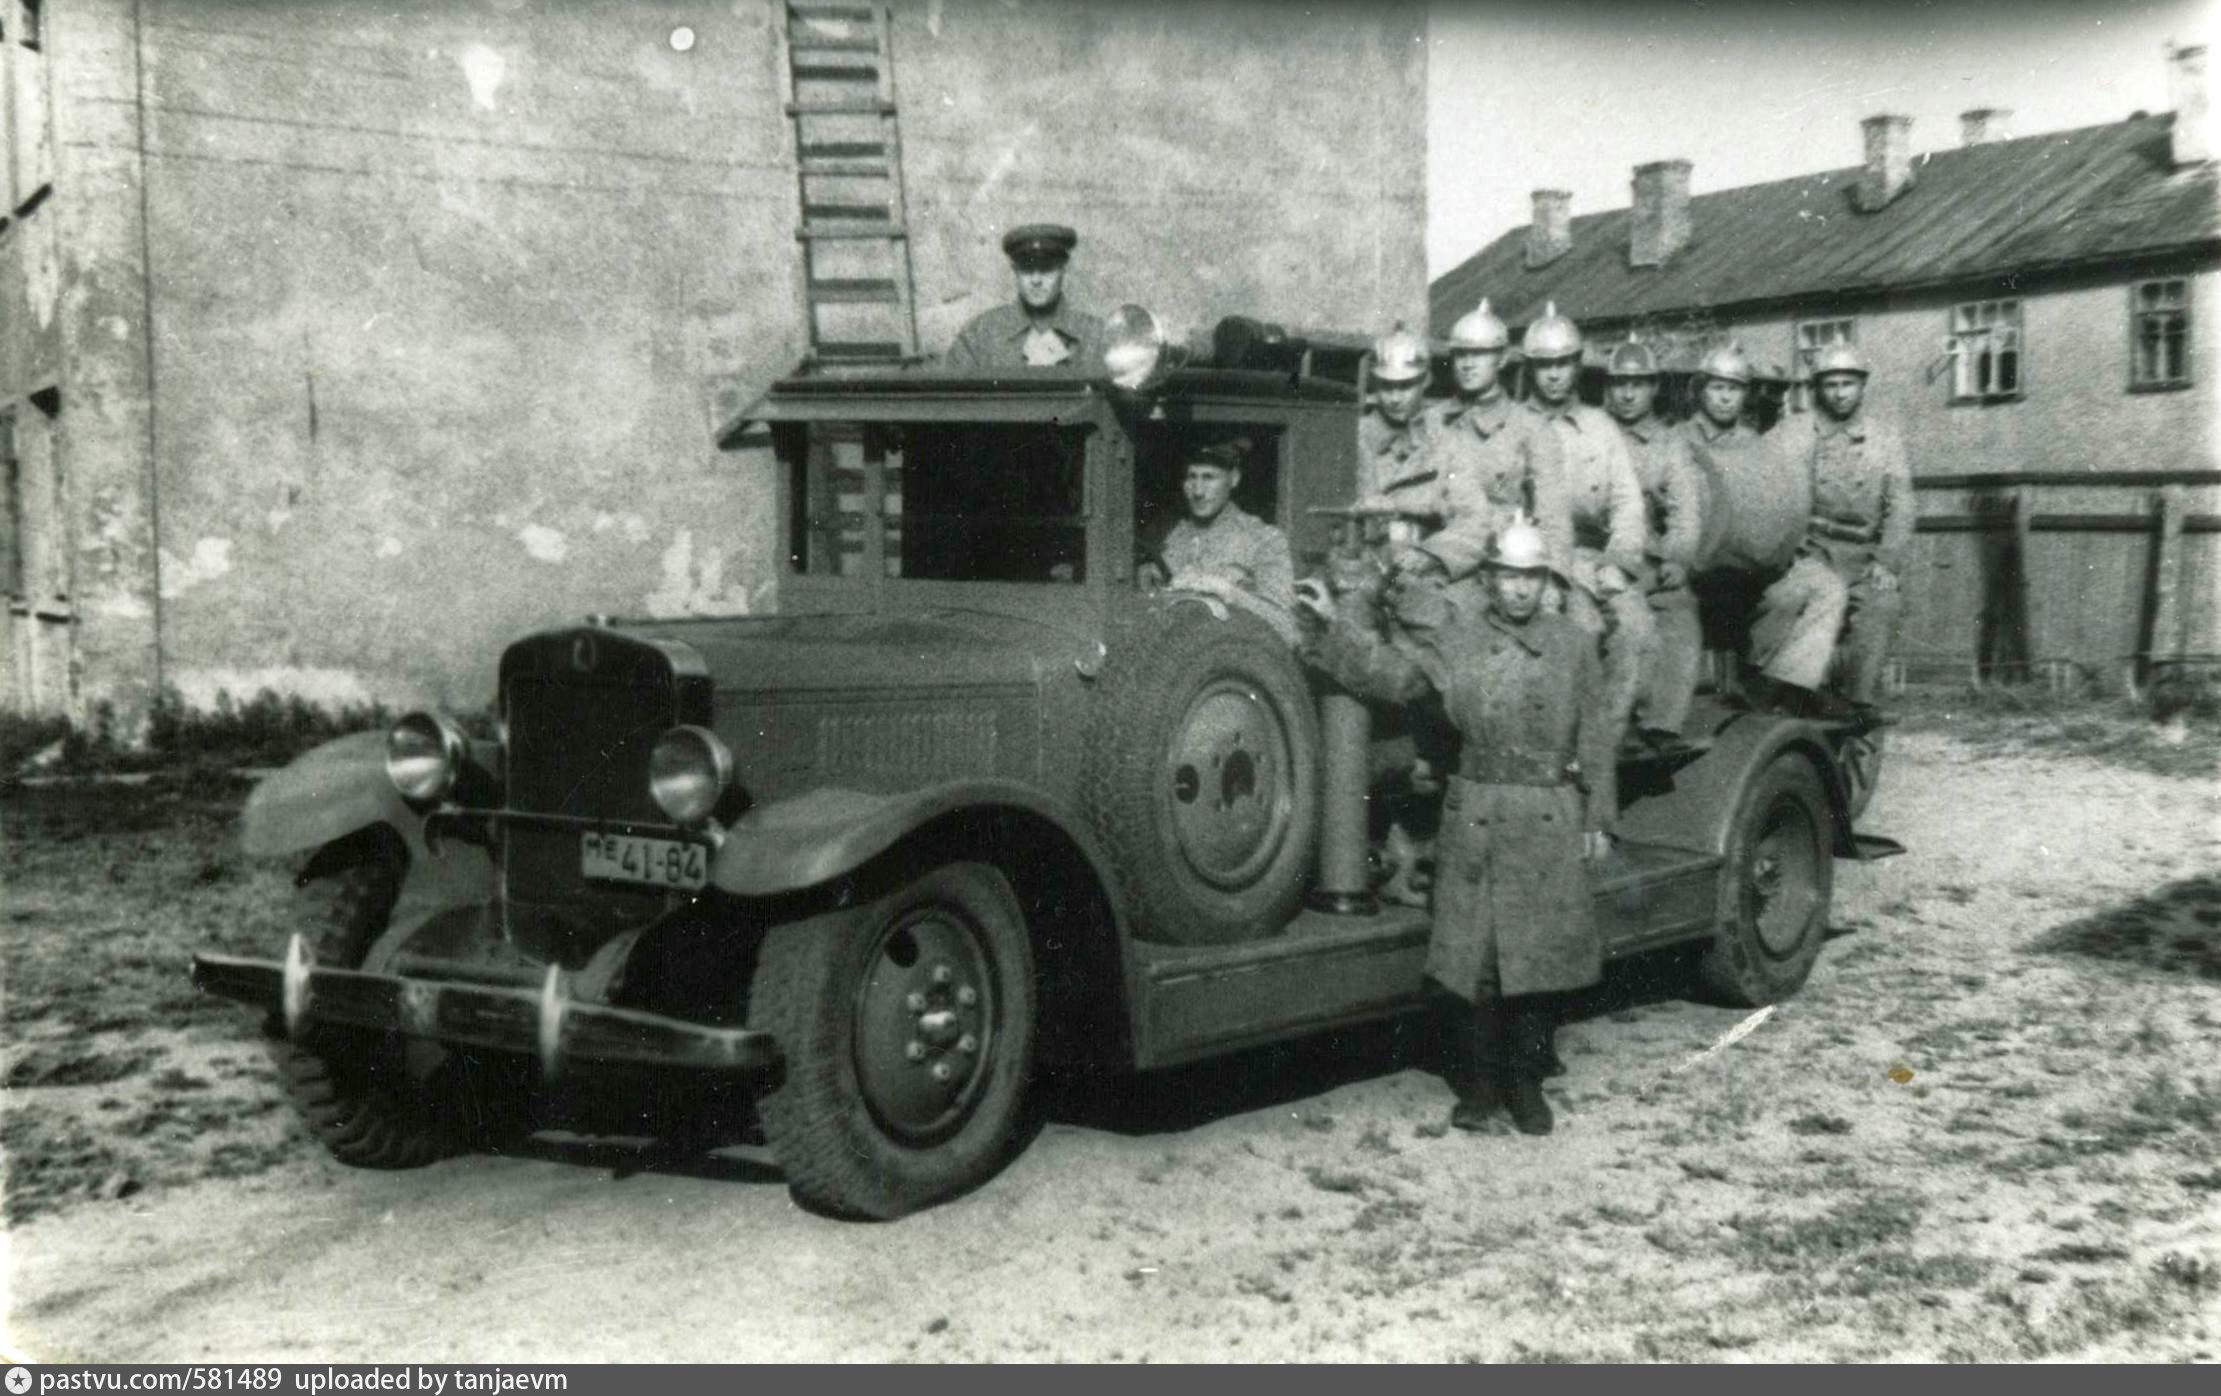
x=1476 y=1036
x=1529 y=1031
x=1552 y=1063
x=1406 y=884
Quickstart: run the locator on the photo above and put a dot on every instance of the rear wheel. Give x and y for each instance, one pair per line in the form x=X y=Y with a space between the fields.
x=1774 y=887
x=908 y=1031
x=355 y=1090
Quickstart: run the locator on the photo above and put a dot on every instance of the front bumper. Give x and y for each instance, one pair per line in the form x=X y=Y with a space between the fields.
x=545 y=1022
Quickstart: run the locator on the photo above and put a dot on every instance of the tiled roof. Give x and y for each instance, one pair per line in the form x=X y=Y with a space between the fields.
x=2100 y=193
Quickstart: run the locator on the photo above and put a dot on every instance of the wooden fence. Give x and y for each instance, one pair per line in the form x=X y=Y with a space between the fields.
x=2071 y=579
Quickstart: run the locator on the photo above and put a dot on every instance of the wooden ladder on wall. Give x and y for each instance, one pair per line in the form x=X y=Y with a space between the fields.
x=858 y=298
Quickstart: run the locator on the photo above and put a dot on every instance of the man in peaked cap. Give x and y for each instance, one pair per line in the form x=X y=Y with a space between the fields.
x=1040 y=329
x=1221 y=544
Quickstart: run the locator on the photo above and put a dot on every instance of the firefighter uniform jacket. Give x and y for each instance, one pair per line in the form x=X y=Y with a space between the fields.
x=1862 y=495
x=1673 y=490
x=1495 y=457
x=1393 y=460
x=1602 y=490
x=1512 y=911
x=1237 y=547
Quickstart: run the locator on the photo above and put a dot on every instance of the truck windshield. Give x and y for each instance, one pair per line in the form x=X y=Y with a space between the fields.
x=945 y=501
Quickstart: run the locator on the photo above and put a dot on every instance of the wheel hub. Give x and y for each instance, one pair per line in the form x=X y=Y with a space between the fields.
x=1783 y=883
x=1226 y=784
x=924 y=1023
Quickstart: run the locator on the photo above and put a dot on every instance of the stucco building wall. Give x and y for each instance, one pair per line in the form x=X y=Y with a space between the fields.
x=382 y=338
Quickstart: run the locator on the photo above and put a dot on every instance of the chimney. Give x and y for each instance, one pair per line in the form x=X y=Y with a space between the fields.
x=1661 y=222
x=2193 y=122
x=1889 y=161
x=1983 y=125
x=1550 y=235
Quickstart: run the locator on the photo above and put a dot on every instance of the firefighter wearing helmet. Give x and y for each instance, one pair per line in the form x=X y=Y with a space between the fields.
x=1531 y=800
x=1852 y=560
x=1609 y=520
x=1677 y=504
x=1393 y=470
x=1493 y=461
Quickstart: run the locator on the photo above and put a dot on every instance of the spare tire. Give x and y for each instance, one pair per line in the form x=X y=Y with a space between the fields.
x=1201 y=772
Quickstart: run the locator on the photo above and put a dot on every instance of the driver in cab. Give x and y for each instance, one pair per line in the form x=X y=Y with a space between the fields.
x=1220 y=547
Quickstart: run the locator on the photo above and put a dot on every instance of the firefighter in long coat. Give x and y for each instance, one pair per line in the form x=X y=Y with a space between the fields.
x=1533 y=799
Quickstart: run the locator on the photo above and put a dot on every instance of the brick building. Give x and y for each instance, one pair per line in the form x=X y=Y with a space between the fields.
x=2031 y=306
x=340 y=343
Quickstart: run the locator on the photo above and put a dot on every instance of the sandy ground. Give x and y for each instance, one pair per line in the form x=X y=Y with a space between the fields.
x=1990 y=1127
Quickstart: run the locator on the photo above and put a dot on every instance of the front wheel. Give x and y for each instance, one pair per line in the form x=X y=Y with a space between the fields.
x=1774 y=887
x=908 y=1030
x=355 y=1090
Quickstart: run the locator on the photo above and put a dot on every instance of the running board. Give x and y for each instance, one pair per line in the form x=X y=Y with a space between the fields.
x=1872 y=848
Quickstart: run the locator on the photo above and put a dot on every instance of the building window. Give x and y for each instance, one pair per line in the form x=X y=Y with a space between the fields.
x=2159 y=334
x=1985 y=351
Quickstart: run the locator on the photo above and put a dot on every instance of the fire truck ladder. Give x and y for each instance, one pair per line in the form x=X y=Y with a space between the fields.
x=858 y=298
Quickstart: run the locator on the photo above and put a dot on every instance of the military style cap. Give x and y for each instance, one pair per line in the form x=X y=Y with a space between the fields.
x=1040 y=240
x=1632 y=360
x=1226 y=455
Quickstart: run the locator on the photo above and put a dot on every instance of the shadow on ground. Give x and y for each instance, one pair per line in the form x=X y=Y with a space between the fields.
x=1182 y=1098
x=2176 y=929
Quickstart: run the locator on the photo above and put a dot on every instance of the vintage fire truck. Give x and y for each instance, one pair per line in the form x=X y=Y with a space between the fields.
x=972 y=806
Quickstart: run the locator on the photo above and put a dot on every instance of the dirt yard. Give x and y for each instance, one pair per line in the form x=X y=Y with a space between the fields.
x=1989 y=1128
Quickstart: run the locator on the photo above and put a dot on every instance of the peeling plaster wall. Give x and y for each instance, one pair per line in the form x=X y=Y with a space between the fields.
x=446 y=303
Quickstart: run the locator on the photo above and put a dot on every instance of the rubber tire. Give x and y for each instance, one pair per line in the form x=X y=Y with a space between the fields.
x=839 y=1159
x=352 y=1088
x=1860 y=793
x=1738 y=968
x=1156 y=668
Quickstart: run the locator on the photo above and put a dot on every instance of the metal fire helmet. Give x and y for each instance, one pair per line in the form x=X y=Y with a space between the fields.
x=1726 y=362
x=1400 y=356
x=1632 y=360
x=1840 y=358
x=1479 y=328
x=1552 y=336
x=1518 y=546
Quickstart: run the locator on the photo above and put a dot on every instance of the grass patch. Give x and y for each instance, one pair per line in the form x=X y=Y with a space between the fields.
x=1846 y=1231
x=268 y=729
x=1999 y=718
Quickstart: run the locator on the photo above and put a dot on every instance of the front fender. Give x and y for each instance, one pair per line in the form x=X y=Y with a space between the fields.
x=1696 y=811
x=807 y=839
x=325 y=795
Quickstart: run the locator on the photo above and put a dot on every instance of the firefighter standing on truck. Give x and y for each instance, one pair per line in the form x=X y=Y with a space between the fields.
x=1532 y=800
x=1605 y=499
x=1675 y=501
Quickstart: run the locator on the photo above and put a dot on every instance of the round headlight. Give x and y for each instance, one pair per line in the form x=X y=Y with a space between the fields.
x=424 y=756
x=688 y=773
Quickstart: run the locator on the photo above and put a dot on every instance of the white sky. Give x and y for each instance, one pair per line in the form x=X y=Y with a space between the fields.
x=1524 y=95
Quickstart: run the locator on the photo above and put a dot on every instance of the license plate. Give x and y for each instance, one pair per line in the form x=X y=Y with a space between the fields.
x=656 y=862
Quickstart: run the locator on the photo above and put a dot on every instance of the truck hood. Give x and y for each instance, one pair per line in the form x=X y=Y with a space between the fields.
x=852 y=653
